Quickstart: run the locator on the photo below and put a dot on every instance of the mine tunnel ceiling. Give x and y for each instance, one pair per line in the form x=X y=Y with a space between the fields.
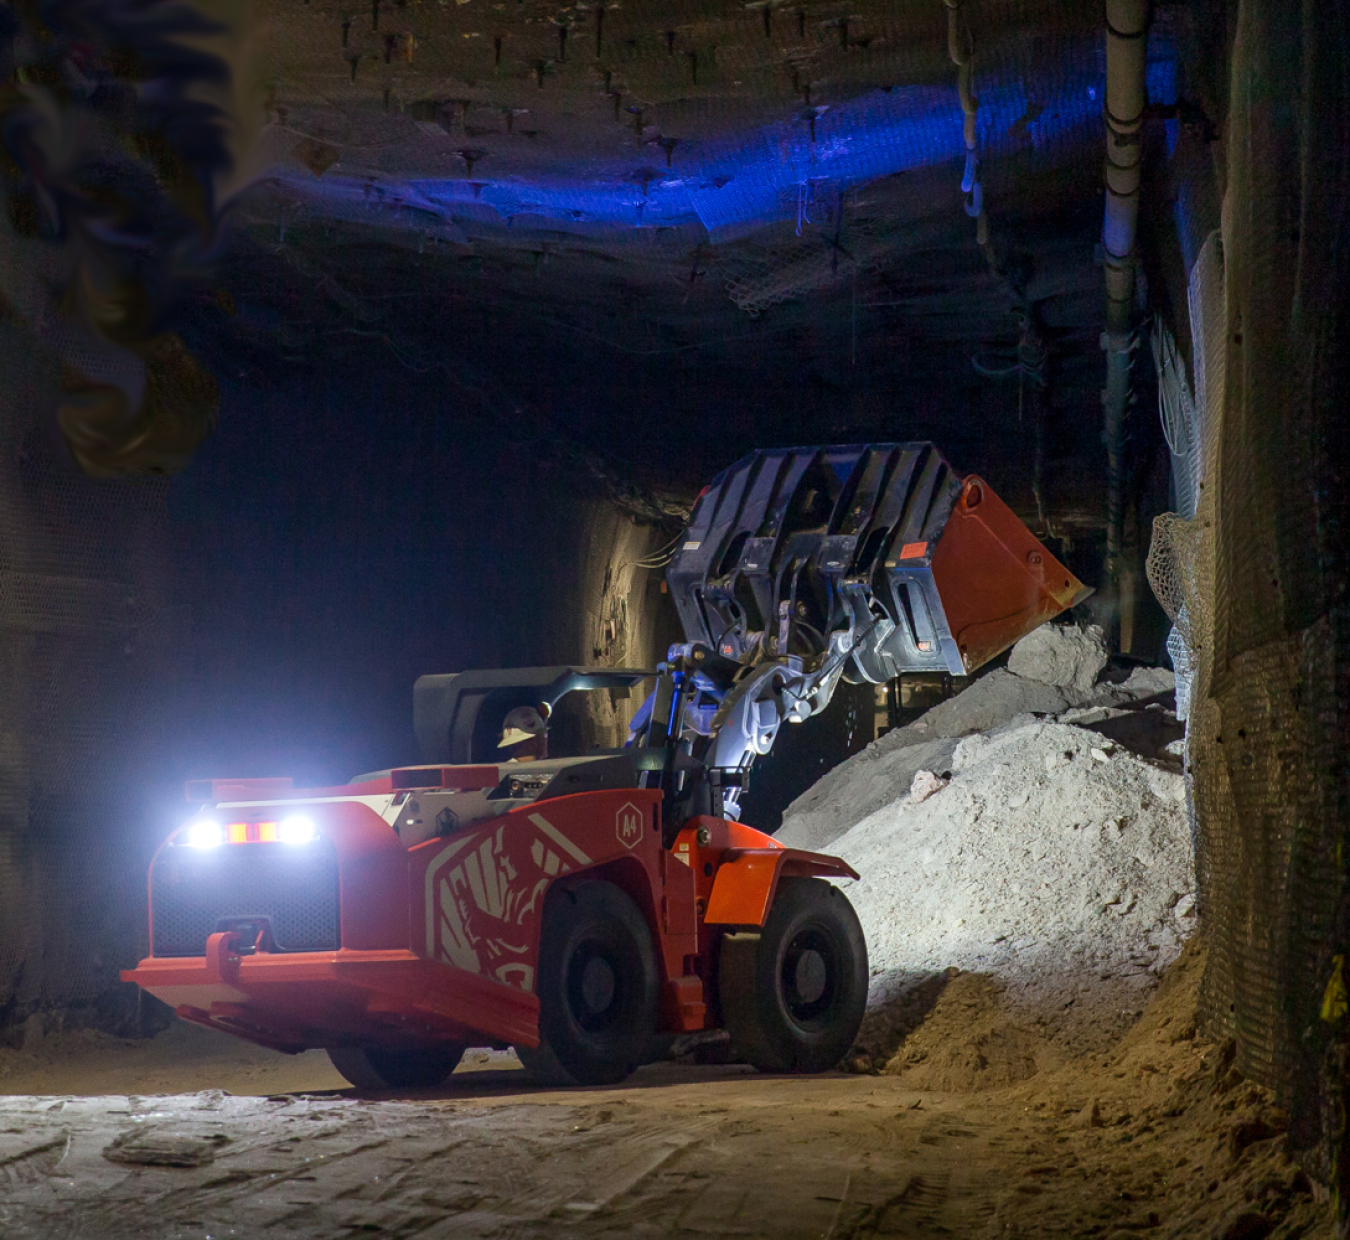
x=675 y=179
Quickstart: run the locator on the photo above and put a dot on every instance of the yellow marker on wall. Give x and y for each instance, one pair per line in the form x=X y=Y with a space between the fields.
x=1335 y=1002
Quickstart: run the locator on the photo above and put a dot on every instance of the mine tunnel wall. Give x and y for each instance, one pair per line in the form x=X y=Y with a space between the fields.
x=90 y=633
x=1261 y=568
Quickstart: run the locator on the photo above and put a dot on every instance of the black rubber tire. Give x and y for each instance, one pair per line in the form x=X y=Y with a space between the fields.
x=375 y=1067
x=597 y=987
x=542 y=1066
x=793 y=995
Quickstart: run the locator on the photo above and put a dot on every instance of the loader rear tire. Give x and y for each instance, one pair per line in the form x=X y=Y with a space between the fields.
x=597 y=987
x=376 y=1067
x=793 y=995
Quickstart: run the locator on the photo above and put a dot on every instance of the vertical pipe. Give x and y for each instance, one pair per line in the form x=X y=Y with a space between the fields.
x=1126 y=47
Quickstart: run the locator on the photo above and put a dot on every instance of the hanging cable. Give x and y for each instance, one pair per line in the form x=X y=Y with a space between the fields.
x=659 y=559
x=961 y=49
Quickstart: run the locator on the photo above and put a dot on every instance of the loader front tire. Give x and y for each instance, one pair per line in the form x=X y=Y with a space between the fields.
x=597 y=987
x=793 y=995
x=376 y=1067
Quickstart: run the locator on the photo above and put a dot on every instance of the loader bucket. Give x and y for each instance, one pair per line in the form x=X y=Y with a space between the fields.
x=791 y=548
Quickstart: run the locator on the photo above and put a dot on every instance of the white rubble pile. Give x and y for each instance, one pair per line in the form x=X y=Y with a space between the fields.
x=999 y=834
x=874 y=777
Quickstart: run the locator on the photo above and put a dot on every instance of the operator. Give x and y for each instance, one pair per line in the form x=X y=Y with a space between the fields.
x=525 y=733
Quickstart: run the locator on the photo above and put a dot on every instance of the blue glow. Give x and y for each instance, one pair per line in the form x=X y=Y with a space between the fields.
x=727 y=185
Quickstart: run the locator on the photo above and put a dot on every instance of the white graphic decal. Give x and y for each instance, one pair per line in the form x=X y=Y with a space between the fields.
x=482 y=890
x=628 y=824
x=560 y=839
x=456 y=945
x=521 y=975
x=442 y=908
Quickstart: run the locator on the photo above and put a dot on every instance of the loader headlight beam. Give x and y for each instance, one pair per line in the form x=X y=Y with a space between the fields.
x=204 y=833
x=297 y=830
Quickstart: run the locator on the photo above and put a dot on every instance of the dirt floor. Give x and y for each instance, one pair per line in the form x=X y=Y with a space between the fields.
x=976 y=1127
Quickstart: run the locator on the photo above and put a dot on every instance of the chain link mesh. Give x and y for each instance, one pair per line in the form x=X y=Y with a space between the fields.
x=1254 y=585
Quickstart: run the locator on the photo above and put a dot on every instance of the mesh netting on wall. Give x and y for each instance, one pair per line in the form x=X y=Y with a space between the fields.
x=84 y=640
x=1255 y=580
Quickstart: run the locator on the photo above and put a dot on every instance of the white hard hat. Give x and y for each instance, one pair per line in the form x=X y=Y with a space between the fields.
x=521 y=724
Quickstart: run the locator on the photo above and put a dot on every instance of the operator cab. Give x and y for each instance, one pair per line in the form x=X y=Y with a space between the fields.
x=461 y=718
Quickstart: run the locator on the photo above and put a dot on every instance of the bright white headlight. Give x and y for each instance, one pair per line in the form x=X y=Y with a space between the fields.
x=297 y=830
x=205 y=834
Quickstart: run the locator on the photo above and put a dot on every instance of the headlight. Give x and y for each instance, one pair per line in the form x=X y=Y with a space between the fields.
x=205 y=834
x=298 y=830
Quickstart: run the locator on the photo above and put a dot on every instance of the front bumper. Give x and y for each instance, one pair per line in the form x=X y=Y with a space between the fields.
x=297 y=1000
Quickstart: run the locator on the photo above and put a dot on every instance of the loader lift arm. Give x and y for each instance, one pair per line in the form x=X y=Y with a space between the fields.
x=802 y=566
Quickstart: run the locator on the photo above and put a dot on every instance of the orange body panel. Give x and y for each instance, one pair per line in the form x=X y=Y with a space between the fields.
x=996 y=580
x=465 y=778
x=738 y=868
x=744 y=887
x=298 y=999
x=441 y=941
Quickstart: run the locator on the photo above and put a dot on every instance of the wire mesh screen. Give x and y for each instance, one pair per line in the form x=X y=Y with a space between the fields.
x=1255 y=585
x=84 y=641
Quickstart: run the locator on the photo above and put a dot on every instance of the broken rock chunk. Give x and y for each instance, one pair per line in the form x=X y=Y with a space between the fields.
x=1062 y=655
x=157 y=1147
x=925 y=784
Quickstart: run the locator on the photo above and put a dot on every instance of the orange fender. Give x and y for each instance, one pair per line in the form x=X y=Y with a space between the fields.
x=743 y=889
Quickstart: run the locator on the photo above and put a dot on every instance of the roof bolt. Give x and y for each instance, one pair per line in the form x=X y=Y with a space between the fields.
x=562 y=42
x=693 y=66
x=471 y=157
x=374 y=14
x=346 y=29
x=599 y=28
x=618 y=99
x=389 y=41
x=843 y=32
x=670 y=42
x=497 y=51
x=801 y=23
x=768 y=22
x=540 y=67
x=668 y=145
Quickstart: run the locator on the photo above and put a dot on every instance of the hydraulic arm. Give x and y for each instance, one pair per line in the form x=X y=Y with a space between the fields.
x=802 y=566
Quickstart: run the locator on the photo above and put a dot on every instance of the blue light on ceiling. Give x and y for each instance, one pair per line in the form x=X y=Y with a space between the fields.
x=729 y=185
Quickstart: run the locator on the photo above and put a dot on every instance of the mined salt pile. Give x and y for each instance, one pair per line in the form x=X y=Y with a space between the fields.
x=1053 y=858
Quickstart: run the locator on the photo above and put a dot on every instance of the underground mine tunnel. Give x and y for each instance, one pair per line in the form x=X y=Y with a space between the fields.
x=674 y=618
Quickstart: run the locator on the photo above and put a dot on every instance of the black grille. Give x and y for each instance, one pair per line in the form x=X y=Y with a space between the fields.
x=295 y=887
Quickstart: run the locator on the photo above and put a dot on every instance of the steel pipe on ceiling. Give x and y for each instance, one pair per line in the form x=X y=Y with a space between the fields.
x=1127 y=23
